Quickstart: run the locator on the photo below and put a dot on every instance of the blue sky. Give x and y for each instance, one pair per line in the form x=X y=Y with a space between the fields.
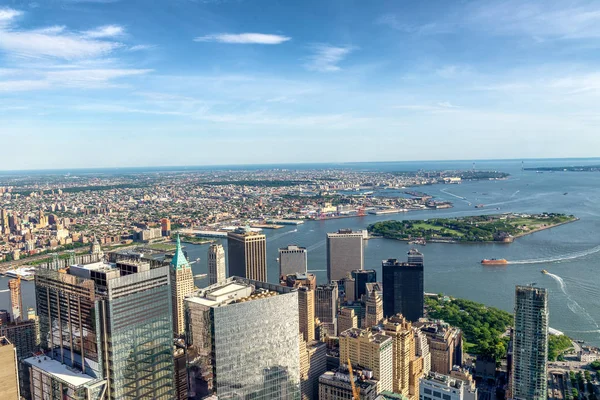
x=95 y=83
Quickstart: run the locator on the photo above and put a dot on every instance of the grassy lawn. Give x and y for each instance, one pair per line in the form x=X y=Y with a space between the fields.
x=427 y=226
x=162 y=246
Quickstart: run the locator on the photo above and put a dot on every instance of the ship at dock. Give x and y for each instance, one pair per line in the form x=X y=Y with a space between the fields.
x=494 y=261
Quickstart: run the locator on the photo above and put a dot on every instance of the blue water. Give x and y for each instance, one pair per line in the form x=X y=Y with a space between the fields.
x=571 y=253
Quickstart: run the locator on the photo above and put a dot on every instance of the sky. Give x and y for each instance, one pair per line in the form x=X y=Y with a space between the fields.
x=108 y=83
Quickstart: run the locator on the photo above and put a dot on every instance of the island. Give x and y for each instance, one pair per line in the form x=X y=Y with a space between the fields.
x=483 y=228
x=571 y=168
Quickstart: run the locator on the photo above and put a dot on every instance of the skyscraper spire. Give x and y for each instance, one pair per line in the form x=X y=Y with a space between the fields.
x=179 y=261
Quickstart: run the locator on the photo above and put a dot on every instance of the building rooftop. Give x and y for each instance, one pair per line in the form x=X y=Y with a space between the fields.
x=357 y=332
x=179 y=261
x=444 y=380
x=59 y=371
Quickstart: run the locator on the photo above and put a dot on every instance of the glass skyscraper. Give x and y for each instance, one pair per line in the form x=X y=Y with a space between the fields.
x=530 y=344
x=105 y=328
x=403 y=291
x=244 y=341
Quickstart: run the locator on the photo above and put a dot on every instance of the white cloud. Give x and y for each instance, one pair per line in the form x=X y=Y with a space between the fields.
x=7 y=15
x=443 y=106
x=446 y=104
x=243 y=38
x=23 y=85
x=431 y=28
x=539 y=19
x=107 y=31
x=326 y=58
x=141 y=47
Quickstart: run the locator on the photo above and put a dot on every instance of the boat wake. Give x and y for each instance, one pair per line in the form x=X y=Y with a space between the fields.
x=275 y=237
x=572 y=304
x=5 y=290
x=564 y=257
x=515 y=193
x=315 y=246
x=454 y=195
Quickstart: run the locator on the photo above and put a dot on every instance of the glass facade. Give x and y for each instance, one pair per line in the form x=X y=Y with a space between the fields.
x=403 y=291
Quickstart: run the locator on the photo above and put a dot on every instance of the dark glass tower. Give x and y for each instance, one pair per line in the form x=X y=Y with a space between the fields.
x=361 y=278
x=402 y=289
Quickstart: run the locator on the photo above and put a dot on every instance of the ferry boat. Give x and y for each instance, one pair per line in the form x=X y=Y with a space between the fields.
x=544 y=271
x=494 y=261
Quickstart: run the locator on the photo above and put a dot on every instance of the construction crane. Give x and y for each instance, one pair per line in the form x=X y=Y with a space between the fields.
x=355 y=392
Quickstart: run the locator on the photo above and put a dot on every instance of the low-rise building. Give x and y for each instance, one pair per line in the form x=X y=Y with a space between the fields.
x=439 y=386
x=335 y=385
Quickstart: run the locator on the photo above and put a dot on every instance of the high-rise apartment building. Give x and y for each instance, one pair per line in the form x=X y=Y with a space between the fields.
x=344 y=253
x=182 y=284
x=361 y=278
x=347 y=319
x=292 y=259
x=243 y=339
x=9 y=372
x=16 y=300
x=530 y=344
x=371 y=351
x=247 y=253
x=373 y=305
x=217 y=270
x=400 y=330
x=445 y=345
x=403 y=291
x=422 y=350
x=326 y=305
x=4 y=226
x=105 y=328
x=314 y=365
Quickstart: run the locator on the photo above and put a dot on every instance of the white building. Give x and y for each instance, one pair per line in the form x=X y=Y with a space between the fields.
x=443 y=387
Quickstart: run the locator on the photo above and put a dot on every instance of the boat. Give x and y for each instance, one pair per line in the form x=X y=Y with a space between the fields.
x=544 y=271
x=494 y=261
x=565 y=193
x=479 y=206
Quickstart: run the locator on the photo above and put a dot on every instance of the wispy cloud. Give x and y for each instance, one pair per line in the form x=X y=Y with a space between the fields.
x=243 y=38
x=431 y=28
x=442 y=106
x=326 y=57
x=539 y=19
x=141 y=47
x=107 y=31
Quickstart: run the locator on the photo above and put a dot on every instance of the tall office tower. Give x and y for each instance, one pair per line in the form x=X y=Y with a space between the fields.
x=415 y=257
x=400 y=330
x=361 y=278
x=9 y=373
x=182 y=284
x=313 y=363
x=346 y=289
x=530 y=344
x=227 y=324
x=335 y=385
x=371 y=351
x=445 y=345
x=373 y=305
x=422 y=349
x=25 y=336
x=438 y=386
x=165 y=227
x=181 y=376
x=347 y=319
x=326 y=305
x=402 y=289
x=247 y=253
x=4 y=227
x=306 y=301
x=344 y=253
x=292 y=259
x=16 y=300
x=105 y=328
x=297 y=280
x=217 y=270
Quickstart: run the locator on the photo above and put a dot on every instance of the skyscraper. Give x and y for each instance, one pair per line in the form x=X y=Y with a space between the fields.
x=530 y=344
x=243 y=338
x=371 y=351
x=347 y=319
x=400 y=330
x=306 y=302
x=9 y=373
x=4 y=227
x=403 y=291
x=104 y=327
x=216 y=264
x=292 y=259
x=16 y=300
x=326 y=304
x=361 y=278
x=445 y=345
x=247 y=253
x=373 y=305
x=182 y=284
x=165 y=227
x=316 y=366
x=344 y=253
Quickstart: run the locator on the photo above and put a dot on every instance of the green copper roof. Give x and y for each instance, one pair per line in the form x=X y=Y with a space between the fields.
x=179 y=261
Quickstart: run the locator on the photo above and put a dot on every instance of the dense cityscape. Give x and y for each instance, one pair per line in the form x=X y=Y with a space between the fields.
x=119 y=313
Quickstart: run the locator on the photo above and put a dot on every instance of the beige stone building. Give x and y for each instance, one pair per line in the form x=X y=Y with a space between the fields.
x=9 y=375
x=347 y=319
x=182 y=284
